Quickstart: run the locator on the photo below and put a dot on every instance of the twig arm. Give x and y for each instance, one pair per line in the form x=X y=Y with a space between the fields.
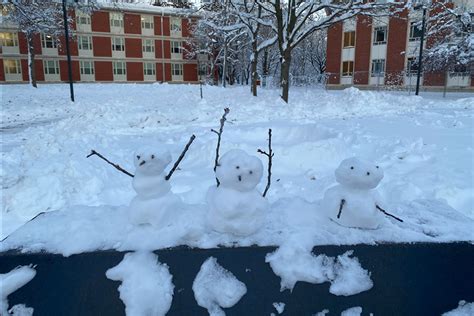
x=388 y=214
x=116 y=166
x=340 y=208
x=219 y=137
x=176 y=164
x=270 y=155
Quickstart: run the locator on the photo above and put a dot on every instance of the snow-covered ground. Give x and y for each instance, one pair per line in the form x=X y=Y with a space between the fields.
x=424 y=144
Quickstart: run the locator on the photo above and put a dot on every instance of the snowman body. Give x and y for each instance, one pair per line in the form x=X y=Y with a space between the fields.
x=356 y=193
x=154 y=203
x=235 y=206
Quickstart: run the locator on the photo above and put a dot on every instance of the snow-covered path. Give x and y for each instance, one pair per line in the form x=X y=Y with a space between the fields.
x=425 y=145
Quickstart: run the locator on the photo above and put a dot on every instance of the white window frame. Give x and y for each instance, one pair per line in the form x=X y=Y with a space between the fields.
x=80 y=42
x=7 y=68
x=47 y=67
x=147 y=22
x=413 y=25
x=176 y=45
x=148 y=45
x=45 y=39
x=376 y=30
x=13 y=38
x=175 y=25
x=149 y=67
x=83 y=18
x=116 y=69
x=116 y=20
x=410 y=61
x=177 y=70
x=348 y=73
x=91 y=69
x=118 y=41
x=381 y=71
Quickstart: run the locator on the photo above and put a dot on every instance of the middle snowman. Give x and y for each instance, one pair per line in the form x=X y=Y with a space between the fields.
x=235 y=206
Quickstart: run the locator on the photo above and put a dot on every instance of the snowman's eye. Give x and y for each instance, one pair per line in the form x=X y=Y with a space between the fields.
x=250 y=171
x=368 y=173
x=352 y=167
x=237 y=167
x=138 y=157
x=377 y=167
x=152 y=156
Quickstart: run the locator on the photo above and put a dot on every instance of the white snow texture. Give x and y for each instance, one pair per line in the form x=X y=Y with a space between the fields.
x=215 y=288
x=463 y=309
x=147 y=288
x=236 y=207
x=353 y=311
x=345 y=274
x=12 y=281
x=357 y=180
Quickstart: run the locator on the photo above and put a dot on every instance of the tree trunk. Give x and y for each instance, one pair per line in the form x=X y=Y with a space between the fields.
x=285 y=75
x=224 y=65
x=32 y=55
x=265 y=67
x=253 y=69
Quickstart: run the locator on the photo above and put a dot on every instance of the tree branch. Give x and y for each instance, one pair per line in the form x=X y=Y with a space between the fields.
x=219 y=136
x=176 y=164
x=388 y=214
x=340 y=208
x=116 y=166
x=270 y=155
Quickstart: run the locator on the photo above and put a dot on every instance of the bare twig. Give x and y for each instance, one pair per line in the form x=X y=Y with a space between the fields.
x=340 y=208
x=116 y=166
x=219 y=136
x=388 y=214
x=270 y=155
x=176 y=164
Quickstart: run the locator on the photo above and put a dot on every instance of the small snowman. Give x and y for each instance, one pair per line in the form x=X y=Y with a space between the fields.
x=235 y=206
x=354 y=202
x=154 y=203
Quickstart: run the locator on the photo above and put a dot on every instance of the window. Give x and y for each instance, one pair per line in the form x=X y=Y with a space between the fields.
x=175 y=47
x=177 y=69
x=149 y=69
x=9 y=39
x=147 y=22
x=412 y=65
x=118 y=44
x=148 y=46
x=349 y=39
x=83 y=19
x=116 y=19
x=119 y=68
x=84 y=42
x=378 y=67
x=51 y=67
x=415 y=31
x=202 y=69
x=12 y=66
x=175 y=24
x=347 y=68
x=380 y=35
x=47 y=41
x=87 y=67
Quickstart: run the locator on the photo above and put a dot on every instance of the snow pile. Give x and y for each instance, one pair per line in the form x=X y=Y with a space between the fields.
x=21 y=310
x=322 y=313
x=353 y=311
x=345 y=274
x=147 y=287
x=235 y=206
x=279 y=306
x=12 y=281
x=464 y=309
x=215 y=288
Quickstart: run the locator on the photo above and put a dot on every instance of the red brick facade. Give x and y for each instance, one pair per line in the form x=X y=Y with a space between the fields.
x=334 y=47
x=104 y=50
x=362 y=58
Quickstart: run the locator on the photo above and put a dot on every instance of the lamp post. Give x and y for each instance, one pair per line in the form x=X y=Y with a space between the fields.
x=68 y=52
x=420 y=56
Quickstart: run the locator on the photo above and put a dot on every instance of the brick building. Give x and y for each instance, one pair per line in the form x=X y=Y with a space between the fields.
x=130 y=43
x=368 y=52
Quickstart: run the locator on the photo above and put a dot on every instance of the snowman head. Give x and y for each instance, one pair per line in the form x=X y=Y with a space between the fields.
x=151 y=160
x=359 y=174
x=239 y=171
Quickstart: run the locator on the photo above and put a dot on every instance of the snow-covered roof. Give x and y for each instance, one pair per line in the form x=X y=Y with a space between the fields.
x=147 y=8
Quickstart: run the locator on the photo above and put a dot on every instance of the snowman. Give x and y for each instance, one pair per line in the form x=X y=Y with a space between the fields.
x=354 y=202
x=235 y=206
x=154 y=203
